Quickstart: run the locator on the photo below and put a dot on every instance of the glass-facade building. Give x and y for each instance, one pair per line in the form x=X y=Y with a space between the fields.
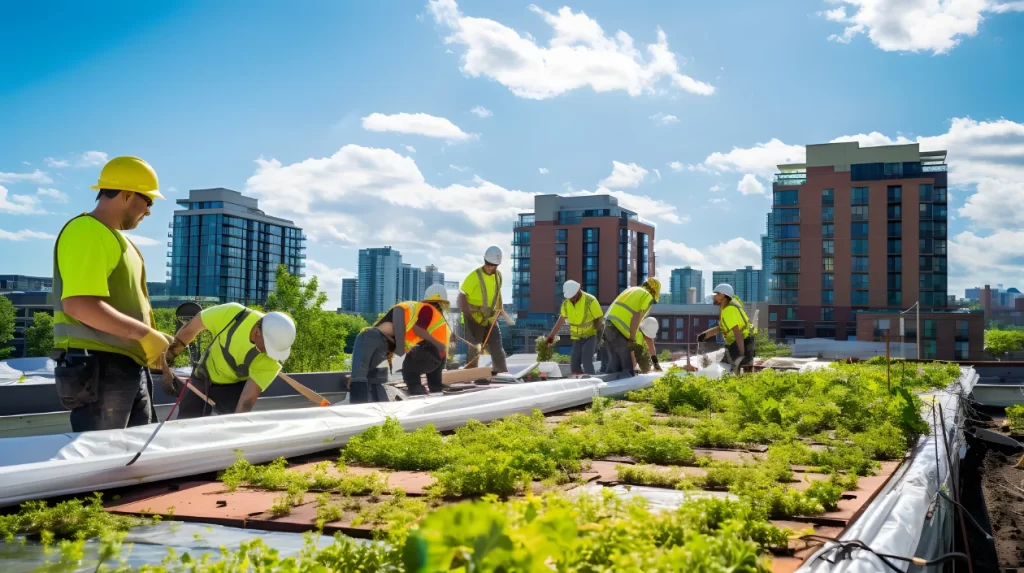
x=223 y=246
x=379 y=286
x=680 y=283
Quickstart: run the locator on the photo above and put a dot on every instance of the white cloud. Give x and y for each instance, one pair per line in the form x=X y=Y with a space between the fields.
x=416 y=124
x=716 y=188
x=458 y=168
x=141 y=241
x=645 y=206
x=735 y=254
x=329 y=279
x=54 y=194
x=19 y=204
x=24 y=235
x=935 y=26
x=38 y=177
x=657 y=174
x=663 y=119
x=56 y=163
x=410 y=149
x=86 y=159
x=580 y=54
x=624 y=175
x=749 y=185
x=676 y=166
x=481 y=111
x=679 y=254
x=542 y=170
x=976 y=261
x=761 y=159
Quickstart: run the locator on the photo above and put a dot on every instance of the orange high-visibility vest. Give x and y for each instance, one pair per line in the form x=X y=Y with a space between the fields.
x=438 y=327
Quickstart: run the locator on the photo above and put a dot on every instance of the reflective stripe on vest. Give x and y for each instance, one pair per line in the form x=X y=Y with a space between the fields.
x=727 y=333
x=241 y=370
x=434 y=328
x=488 y=307
x=580 y=321
x=627 y=305
x=69 y=332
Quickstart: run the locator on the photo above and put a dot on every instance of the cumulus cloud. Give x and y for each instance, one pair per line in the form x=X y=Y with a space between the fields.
x=749 y=185
x=645 y=206
x=481 y=111
x=54 y=194
x=24 y=235
x=458 y=168
x=19 y=204
x=676 y=166
x=679 y=254
x=663 y=119
x=716 y=188
x=416 y=124
x=410 y=149
x=38 y=177
x=542 y=170
x=329 y=279
x=624 y=175
x=732 y=254
x=761 y=159
x=580 y=54
x=86 y=159
x=978 y=260
x=56 y=163
x=935 y=26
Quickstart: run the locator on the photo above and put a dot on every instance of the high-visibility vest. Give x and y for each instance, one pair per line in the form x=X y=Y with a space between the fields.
x=746 y=328
x=486 y=311
x=630 y=302
x=126 y=296
x=579 y=317
x=438 y=327
x=241 y=371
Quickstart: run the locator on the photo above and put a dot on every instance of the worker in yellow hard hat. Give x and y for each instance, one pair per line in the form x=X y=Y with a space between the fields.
x=623 y=319
x=103 y=327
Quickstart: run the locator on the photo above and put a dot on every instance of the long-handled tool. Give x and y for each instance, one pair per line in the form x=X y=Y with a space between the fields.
x=311 y=395
x=481 y=346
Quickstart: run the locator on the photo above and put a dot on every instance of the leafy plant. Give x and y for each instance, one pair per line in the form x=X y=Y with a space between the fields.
x=71 y=519
x=390 y=446
x=39 y=336
x=545 y=351
x=1015 y=415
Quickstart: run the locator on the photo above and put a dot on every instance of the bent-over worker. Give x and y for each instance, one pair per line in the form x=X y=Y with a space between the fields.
x=645 y=336
x=480 y=304
x=735 y=327
x=241 y=361
x=583 y=313
x=103 y=326
x=623 y=318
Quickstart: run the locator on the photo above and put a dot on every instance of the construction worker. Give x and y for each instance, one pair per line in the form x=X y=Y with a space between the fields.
x=645 y=340
x=103 y=326
x=735 y=327
x=624 y=317
x=424 y=335
x=480 y=304
x=583 y=313
x=244 y=357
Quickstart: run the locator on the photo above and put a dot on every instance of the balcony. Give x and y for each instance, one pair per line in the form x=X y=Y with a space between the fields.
x=790 y=179
x=934 y=168
x=519 y=224
x=170 y=243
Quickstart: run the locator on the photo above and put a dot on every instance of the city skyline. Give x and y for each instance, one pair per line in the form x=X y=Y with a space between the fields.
x=315 y=125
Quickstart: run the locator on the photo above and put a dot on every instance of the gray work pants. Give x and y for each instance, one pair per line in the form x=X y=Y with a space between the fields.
x=582 y=358
x=475 y=334
x=367 y=382
x=617 y=347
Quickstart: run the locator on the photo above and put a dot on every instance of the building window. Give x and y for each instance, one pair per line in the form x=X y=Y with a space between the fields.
x=828 y=230
x=895 y=264
x=828 y=214
x=859 y=246
x=828 y=264
x=828 y=297
x=859 y=298
x=788 y=231
x=895 y=298
x=962 y=352
x=679 y=323
x=787 y=249
x=879 y=328
x=859 y=213
x=895 y=211
x=895 y=246
x=895 y=229
x=859 y=230
x=827 y=280
x=786 y=197
x=925 y=264
x=940 y=248
x=561 y=235
x=790 y=313
x=859 y=196
x=773 y=316
x=893 y=169
x=961 y=330
x=828 y=247
x=786 y=296
x=828 y=196
x=928 y=328
x=895 y=281
x=679 y=335
x=828 y=314
x=860 y=264
x=664 y=335
x=859 y=281
x=894 y=193
x=928 y=349
x=925 y=192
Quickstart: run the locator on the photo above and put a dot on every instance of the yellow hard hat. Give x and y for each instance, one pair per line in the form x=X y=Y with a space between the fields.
x=654 y=285
x=129 y=174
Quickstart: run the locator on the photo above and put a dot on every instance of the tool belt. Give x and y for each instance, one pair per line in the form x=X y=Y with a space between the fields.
x=76 y=377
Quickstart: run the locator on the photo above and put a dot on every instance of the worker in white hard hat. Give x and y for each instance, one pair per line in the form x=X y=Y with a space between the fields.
x=583 y=313
x=480 y=304
x=735 y=327
x=417 y=330
x=104 y=333
x=645 y=336
x=244 y=357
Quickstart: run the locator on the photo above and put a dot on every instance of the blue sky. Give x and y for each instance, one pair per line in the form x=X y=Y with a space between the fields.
x=356 y=119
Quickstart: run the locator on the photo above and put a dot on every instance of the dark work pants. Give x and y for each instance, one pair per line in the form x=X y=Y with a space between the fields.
x=423 y=359
x=124 y=396
x=475 y=334
x=224 y=395
x=732 y=353
x=367 y=382
x=619 y=359
x=582 y=358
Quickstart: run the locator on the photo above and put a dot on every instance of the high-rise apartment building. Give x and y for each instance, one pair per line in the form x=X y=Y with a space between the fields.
x=767 y=253
x=413 y=285
x=680 y=283
x=225 y=247
x=24 y=283
x=349 y=294
x=590 y=239
x=380 y=280
x=432 y=276
x=745 y=282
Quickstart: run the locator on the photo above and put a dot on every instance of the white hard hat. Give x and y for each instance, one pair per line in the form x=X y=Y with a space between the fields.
x=649 y=327
x=725 y=289
x=570 y=288
x=436 y=293
x=278 y=335
x=493 y=255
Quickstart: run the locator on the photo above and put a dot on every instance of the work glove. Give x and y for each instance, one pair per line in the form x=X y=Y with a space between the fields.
x=170 y=382
x=657 y=367
x=175 y=349
x=551 y=340
x=154 y=345
x=702 y=336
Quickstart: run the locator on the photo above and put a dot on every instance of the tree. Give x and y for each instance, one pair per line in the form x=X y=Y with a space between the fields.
x=321 y=336
x=999 y=342
x=7 y=315
x=39 y=336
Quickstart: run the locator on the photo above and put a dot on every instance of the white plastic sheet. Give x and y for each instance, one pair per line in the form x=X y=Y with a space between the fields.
x=26 y=371
x=46 y=466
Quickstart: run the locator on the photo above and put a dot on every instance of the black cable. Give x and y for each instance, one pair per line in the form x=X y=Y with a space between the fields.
x=845 y=547
x=988 y=536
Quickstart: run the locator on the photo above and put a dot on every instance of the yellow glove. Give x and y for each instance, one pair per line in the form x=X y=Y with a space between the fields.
x=154 y=344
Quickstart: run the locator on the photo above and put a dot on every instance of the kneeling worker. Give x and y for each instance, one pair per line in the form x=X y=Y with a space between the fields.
x=424 y=336
x=645 y=341
x=624 y=317
x=735 y=327
x=583 y=313
x=242 y=360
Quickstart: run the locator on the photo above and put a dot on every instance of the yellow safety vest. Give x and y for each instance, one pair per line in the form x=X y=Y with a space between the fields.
x=486 y=311
x=746 y=328
x=630 y=302
x=438 y=327
x=579 y=317
x=126 y=296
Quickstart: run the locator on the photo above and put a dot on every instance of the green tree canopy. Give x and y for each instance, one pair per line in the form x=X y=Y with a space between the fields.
x=7 y=314
x=39 y=336
x=999 y=342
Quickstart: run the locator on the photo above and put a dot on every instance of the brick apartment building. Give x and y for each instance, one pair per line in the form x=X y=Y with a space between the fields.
x=860 y=235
